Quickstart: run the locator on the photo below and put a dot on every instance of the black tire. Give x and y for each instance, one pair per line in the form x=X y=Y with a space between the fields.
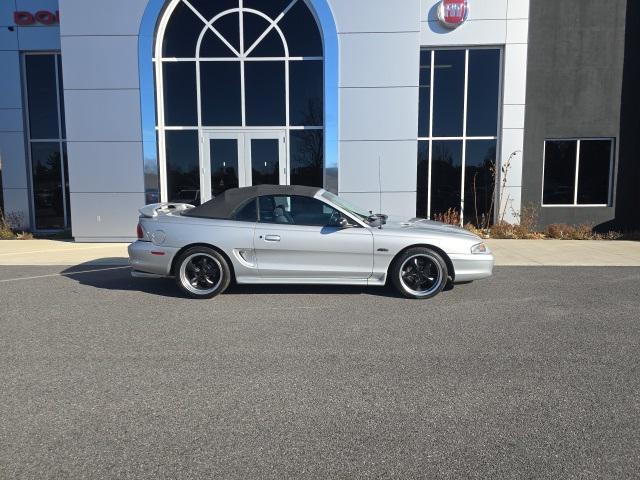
x=419 y=273
x=201 y=272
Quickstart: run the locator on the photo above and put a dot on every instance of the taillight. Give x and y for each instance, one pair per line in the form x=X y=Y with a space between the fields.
x=140 y=232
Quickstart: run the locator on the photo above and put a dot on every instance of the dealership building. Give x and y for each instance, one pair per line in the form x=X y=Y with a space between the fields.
x=407 y=107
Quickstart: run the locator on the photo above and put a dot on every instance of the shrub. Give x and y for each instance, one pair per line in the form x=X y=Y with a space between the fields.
x=450 y=217
x=6 y=232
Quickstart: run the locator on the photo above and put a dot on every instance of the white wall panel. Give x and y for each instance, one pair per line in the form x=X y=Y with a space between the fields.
x=108 y=216
x=399 y=203
x=8 y=39
x=359 y=166
x=11 y=120
x=375 y=15
x=39 y=38
x=12 y=159
x=10 y=80
x=472 y=32
x=513 y=116
x=518 y=9
x=99 y=17
x=103 y=115
x=515 y=74
x=100 y=62
x=7 y=7
x=105 y=167
x=478 y=10
x=379 y=60
x=510 y=201
x=378 y=113
x=16 y=201
x=512 y=144
x=517 y=31
x=368 y=201
x=35 y=5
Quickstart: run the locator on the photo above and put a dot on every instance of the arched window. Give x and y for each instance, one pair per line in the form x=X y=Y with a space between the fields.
x=239 y=92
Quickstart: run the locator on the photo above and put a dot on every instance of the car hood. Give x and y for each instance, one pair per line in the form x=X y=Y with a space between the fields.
x=421 y=226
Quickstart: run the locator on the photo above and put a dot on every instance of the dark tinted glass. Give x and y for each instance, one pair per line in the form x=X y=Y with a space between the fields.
x=247 y=213
x=224 y=165
x=183 y=166
x=425 y=93
x=479 y=181
x=180 y=93
x=47 y=185
x=271 y=8
x=559 y=172
x=254 y=26
x=593 y=172
x=220 y=93
x=181 y=33
x=229 y=27
x=301 y=31
x=61 y=94
x=269 y=46
x=422 y=206
x=65 y=173
x=42 y=95
x=448 y=94
x=305 y=94
x=483 y=93
x=446 y=172
x=265 y=93
x=295 y=210
x=265 y=161
x=210 y=8
x=306 y=157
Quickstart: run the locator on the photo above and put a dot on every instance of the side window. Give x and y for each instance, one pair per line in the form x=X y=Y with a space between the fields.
x=295 y=210
x=247 y=212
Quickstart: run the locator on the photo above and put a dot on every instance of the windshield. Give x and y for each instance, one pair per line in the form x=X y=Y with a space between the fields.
x=359 y=212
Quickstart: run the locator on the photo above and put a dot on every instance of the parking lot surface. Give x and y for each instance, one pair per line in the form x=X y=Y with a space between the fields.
x=533 y=373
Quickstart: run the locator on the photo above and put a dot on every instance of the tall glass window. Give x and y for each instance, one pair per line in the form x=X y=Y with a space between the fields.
x=458 y=132
x=47 y=141
x=235 y=65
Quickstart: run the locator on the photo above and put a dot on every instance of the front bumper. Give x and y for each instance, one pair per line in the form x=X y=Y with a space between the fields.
x=469 y=267
x=152 y=259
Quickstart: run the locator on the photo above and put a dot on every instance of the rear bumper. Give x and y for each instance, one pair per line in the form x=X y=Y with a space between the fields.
x=147 y=258
x=472 y=267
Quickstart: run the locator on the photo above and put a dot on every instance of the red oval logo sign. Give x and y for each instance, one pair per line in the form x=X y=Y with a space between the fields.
x=453 y=13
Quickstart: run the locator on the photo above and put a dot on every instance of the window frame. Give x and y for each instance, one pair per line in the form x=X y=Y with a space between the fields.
x=430 y=138
x=61 y=140
x=242 y=57
x=578 y=140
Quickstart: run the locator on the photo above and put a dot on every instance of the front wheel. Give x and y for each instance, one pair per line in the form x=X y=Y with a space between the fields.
x=419 y=273
x=202 y=272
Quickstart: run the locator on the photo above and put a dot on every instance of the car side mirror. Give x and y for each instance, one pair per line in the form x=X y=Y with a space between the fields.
x=344 y=222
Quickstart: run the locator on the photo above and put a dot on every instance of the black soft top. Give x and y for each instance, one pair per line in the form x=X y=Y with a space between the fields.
x=223 y=206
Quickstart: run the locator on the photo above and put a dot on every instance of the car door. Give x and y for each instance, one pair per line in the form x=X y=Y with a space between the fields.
x=293 y=240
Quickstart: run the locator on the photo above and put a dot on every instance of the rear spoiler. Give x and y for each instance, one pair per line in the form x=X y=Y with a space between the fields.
x=156 y=209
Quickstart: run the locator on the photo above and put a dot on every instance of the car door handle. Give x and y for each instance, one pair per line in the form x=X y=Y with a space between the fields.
x=272 y=238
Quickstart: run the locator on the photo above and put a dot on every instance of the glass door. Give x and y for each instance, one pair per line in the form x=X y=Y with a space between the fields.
x=232 y=159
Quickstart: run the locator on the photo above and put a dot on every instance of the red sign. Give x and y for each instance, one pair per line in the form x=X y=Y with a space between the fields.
x=453 y=13
x=43 y=17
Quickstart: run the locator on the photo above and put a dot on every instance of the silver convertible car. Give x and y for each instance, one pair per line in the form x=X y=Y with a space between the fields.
x=300 y=235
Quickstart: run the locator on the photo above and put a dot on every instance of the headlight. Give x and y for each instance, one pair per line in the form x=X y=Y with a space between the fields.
x=480 y=248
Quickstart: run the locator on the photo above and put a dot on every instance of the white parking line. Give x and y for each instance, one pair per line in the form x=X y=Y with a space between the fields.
x=62 y=274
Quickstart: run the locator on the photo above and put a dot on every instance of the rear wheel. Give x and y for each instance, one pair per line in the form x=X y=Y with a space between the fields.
x=419 y=273
x=202 y=272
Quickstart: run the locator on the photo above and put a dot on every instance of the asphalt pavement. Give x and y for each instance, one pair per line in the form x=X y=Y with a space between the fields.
x=533 y=373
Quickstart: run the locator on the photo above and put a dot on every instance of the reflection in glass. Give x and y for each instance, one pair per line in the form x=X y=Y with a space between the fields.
x=42 y=96
x=559 y=172
x=305 y=95
x=446 y=171
x=183 y=166
x=180 y=93
x=422 y=206
x=265 y=161
x=424 y=105
x=306 y=157
x=221 y=97
x=301 y=31
x=593 y=172
x=265 y=93
x=483 y=93
x=480 y=161
x=224 y=165
x=448 y=95
x=46 y=167
x=63 y=128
